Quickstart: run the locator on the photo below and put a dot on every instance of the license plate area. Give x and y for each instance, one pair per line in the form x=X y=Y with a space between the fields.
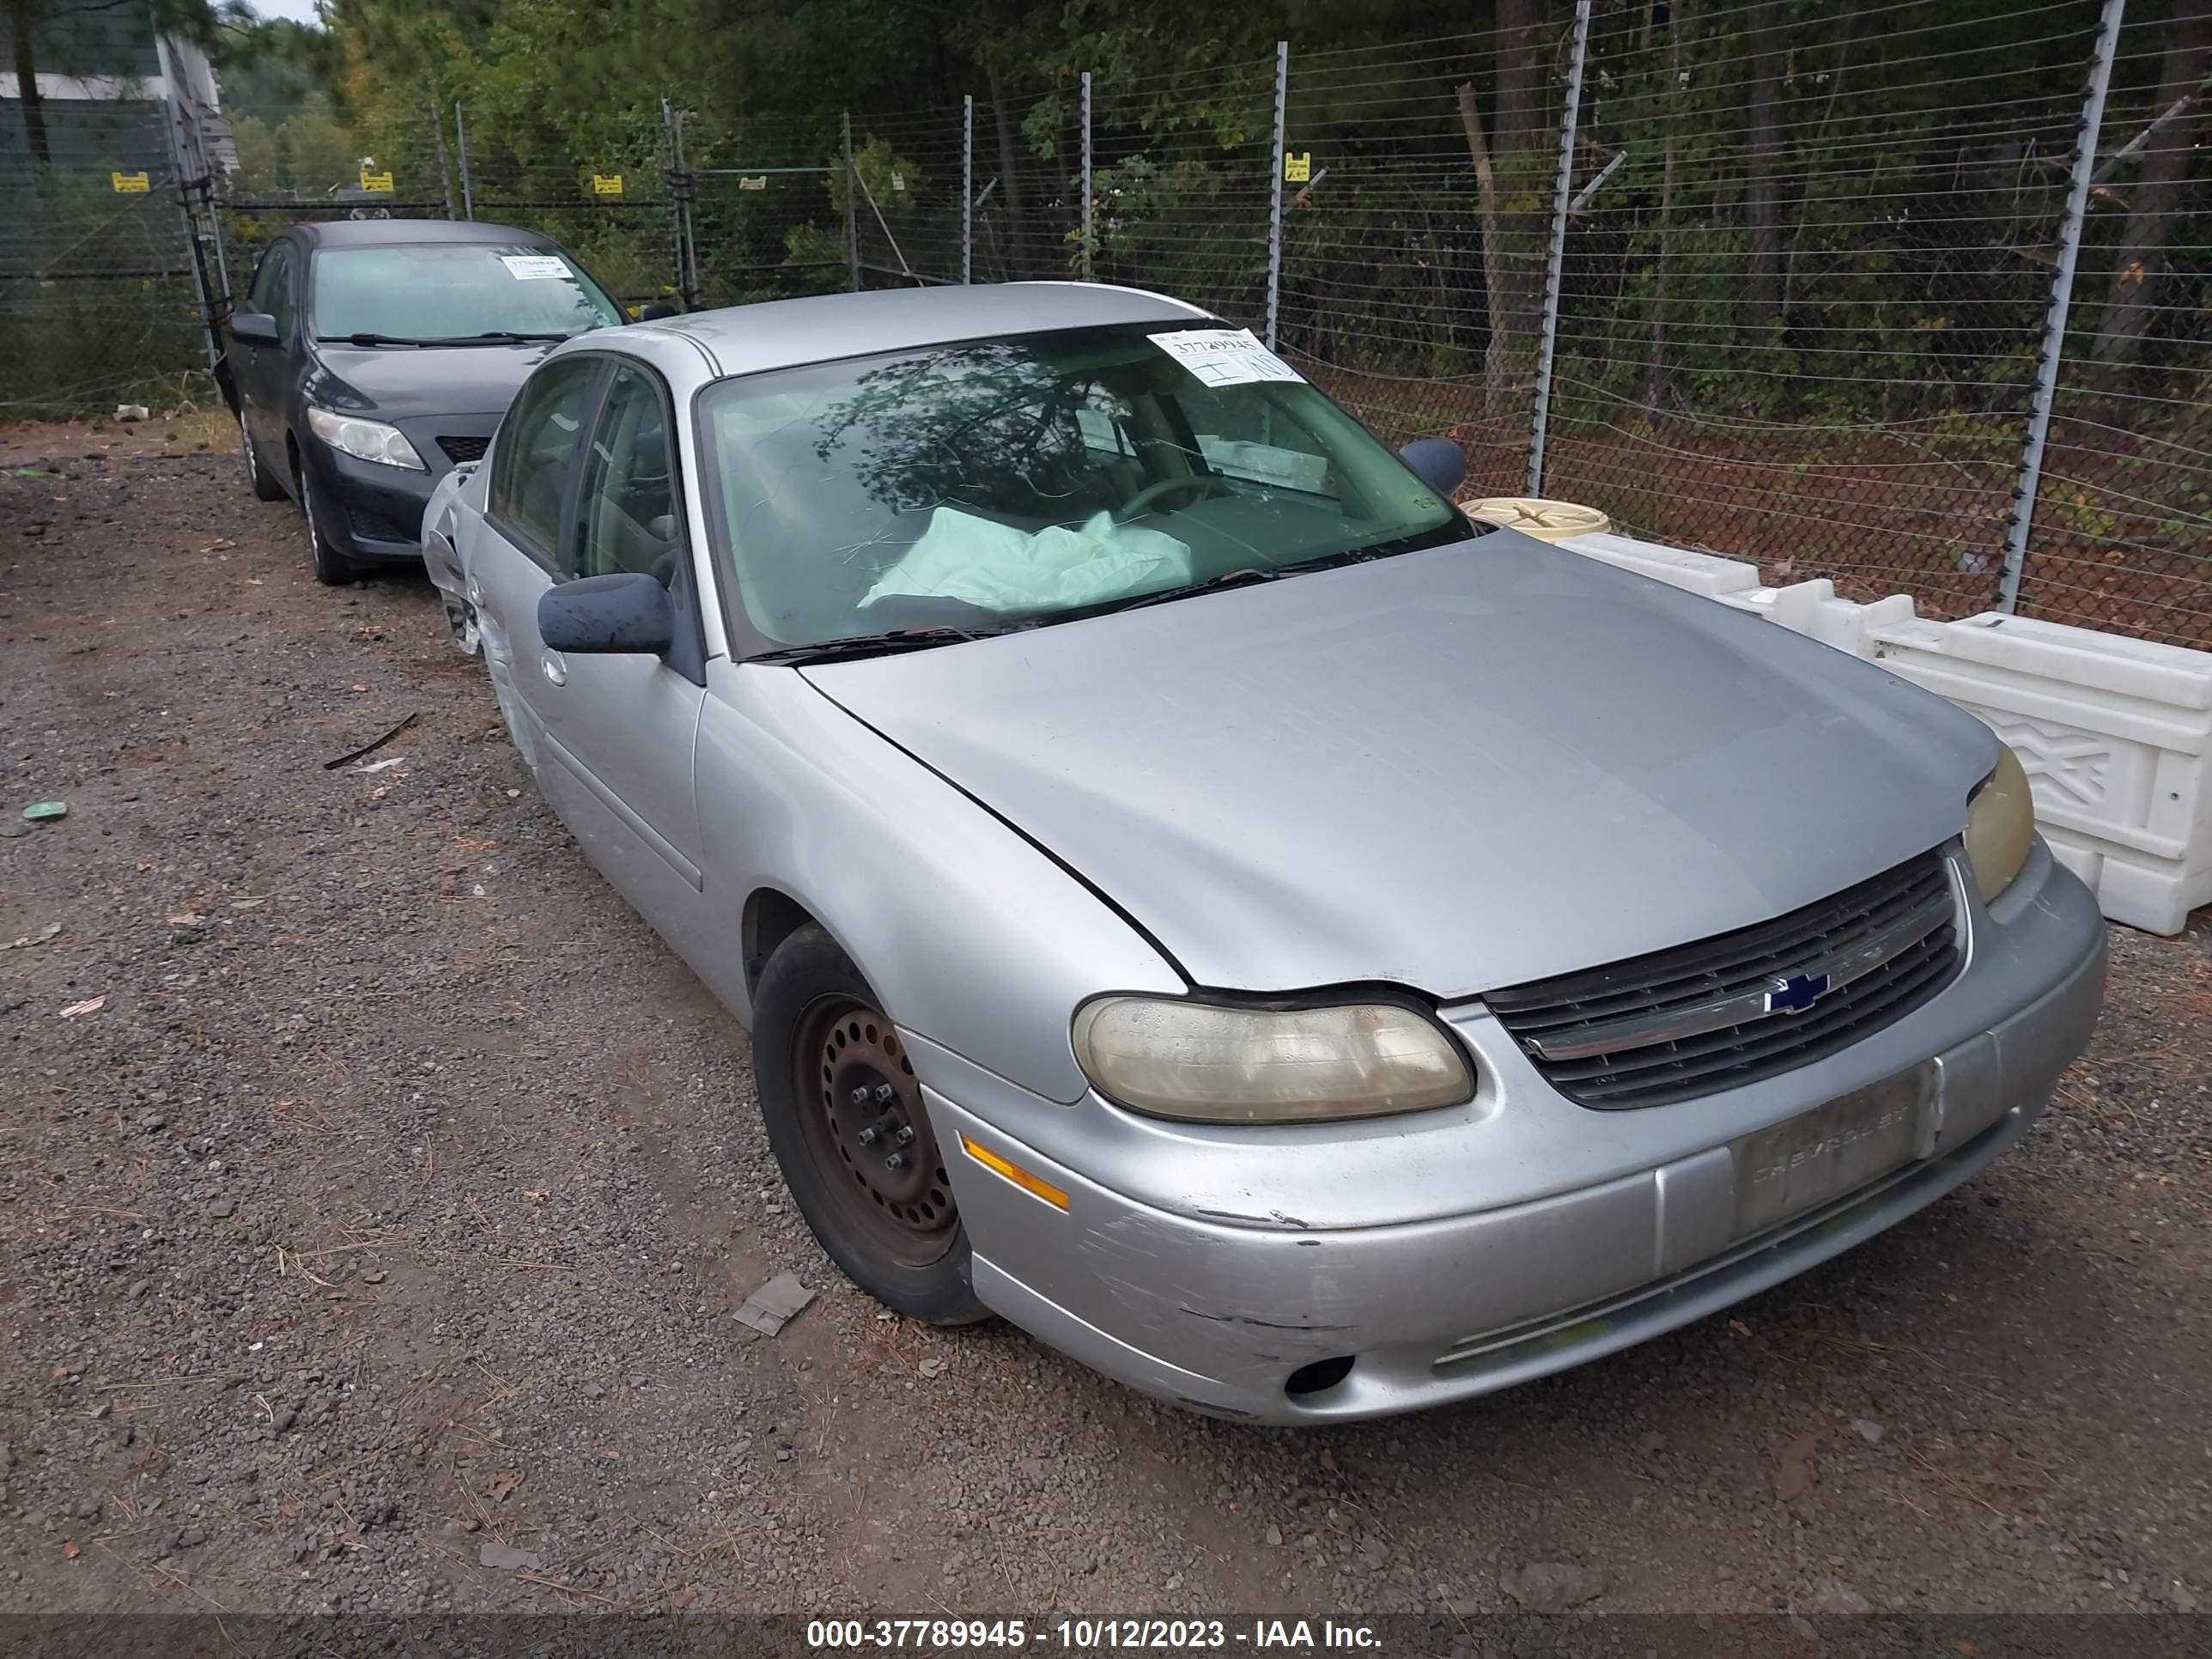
x=1804 y=1162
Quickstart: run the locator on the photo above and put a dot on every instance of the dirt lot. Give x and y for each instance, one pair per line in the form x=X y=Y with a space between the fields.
x=393 y=1195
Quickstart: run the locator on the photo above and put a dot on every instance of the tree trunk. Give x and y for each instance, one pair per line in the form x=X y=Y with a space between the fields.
x=1762 y=208
x=1523 y=156
x=1010 y=184
x=1654 y=374
x=1496 y=358
x=2152 y=205
x=24 y=17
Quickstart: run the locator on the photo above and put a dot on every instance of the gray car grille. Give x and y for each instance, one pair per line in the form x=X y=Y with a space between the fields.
x=1694 y=1019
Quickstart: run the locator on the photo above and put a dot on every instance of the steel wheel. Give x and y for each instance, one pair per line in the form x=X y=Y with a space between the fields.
x=865 y=1130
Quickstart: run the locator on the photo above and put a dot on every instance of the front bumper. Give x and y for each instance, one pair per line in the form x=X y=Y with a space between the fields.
x=376 y=510
x=1212 y=1281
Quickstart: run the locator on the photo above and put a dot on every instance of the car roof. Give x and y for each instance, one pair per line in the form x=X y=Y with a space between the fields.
x=402 y=232
x=785 y=333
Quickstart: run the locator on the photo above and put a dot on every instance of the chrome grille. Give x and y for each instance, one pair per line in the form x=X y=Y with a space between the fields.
x=1698 y=1019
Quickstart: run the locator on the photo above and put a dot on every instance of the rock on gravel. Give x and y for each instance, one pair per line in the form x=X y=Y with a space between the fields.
x=1551 y=1586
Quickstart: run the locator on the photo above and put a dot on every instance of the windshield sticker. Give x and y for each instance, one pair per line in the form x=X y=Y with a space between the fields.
x=532 y=267
x=1225 y=357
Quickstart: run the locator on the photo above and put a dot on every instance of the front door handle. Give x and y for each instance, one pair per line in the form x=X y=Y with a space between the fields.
x=557 y=671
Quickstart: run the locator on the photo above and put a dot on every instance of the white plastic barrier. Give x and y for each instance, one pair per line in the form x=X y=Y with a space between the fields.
x=2115 y=733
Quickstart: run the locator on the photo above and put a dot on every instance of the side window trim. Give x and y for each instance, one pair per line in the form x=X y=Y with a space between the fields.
x=520 y=540
x=572 y=490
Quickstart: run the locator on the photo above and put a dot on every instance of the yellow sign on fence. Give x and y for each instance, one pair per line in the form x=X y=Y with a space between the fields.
x=379 y=182
x=1297 y=169
x=760 y=182
x=606 y=183
x=131 y=184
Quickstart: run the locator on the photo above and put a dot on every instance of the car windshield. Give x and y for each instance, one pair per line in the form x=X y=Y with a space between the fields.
x=446 y=291
x=1006 y=482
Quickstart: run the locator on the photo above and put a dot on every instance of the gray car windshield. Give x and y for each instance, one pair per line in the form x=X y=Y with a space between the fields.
x=1040 y=478
x=448 y=291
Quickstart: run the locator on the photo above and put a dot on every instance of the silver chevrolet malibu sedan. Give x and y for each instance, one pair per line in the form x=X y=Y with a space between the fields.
x=1196 y=895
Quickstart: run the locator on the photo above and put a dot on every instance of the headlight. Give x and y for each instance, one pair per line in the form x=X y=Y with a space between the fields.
x=1999 y=825
x=1217 y=1065
x=366 y=440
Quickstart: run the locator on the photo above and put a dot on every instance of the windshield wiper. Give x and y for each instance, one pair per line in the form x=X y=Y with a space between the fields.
x=504 y=336
x=367 y=340
x=880 y=645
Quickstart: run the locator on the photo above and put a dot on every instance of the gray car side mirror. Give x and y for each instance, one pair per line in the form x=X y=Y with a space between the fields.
x=254 y=328
x=1437 y=462
x=627 y=611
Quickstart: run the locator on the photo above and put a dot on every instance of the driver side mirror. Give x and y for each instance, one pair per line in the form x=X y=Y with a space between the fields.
x=1437 y=462
x=654 y=310
x=254 y=328
x=627 y=612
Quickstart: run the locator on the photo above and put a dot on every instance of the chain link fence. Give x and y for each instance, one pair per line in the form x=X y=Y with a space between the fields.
x=1882 y=293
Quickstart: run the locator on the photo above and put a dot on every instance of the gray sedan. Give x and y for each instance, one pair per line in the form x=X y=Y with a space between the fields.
x=1196 y=895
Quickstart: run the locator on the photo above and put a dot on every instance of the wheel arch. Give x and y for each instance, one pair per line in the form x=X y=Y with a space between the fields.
x=771 y=916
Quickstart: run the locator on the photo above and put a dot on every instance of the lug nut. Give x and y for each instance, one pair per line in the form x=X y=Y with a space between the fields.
x=885 y=1094
x=905 y=1135
x=867 y=1137
x=860 y=1096
x=896 y=1161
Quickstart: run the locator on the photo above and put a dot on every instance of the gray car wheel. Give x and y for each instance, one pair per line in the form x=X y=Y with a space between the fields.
x=267 y=486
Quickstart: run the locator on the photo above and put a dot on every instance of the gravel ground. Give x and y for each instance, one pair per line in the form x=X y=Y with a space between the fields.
x=373 y=1243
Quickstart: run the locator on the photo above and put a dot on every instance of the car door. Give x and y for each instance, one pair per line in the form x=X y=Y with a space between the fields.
x=512 y=552
x=622 y=726
x=264 y=372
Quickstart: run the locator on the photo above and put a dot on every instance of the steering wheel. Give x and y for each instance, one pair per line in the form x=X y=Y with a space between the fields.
x=1205 y=483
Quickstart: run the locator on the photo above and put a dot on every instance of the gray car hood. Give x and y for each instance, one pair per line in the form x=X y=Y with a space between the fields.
x=1454 y=769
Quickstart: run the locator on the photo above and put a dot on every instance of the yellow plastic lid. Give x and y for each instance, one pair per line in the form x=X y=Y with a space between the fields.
x=1547 y=521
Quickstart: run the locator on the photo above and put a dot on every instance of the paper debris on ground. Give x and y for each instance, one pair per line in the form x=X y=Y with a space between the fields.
x=507 y=1558
x=89 y=1006
x=775 y=1304
x=52 y=930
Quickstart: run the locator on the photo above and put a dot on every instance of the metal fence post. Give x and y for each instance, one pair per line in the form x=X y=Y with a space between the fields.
x=1562 y=184
x=968 y=188
x=461 y=143
x=444 y=167
x=852 y=205
x=211 y=317
x=1275 y=191
x=686 y=235
x=1088 y=220
x=2053 y=345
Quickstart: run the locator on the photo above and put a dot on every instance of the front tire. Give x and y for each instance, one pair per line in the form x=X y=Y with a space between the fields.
x=267 y=486
x=846 y=1121
x=333 y=568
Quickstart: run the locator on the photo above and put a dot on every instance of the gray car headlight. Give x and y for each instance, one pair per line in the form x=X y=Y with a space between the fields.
x=1212 y=1064
x=365 y=440
x=1999 y=825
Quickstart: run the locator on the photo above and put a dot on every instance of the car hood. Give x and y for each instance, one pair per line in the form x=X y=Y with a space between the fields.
x=399 y=383
x=1453 y=770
